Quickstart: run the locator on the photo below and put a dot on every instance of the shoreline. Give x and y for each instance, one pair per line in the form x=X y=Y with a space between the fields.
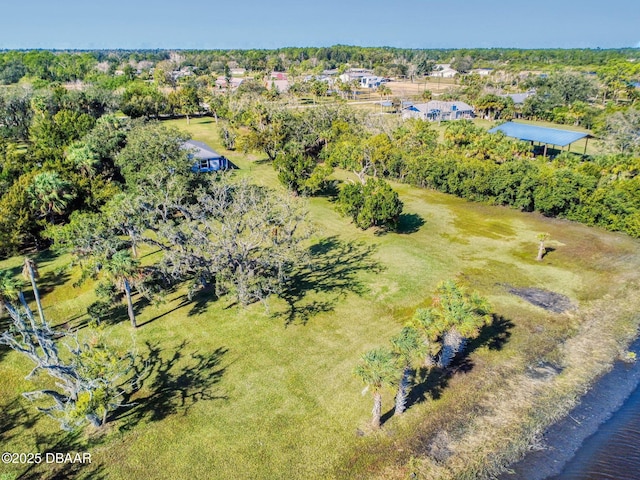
x=563 y=440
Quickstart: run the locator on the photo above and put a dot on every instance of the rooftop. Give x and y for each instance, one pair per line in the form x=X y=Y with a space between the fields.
x=518 y=98
x=442 y=106
x=550 y=136
x=200 y=150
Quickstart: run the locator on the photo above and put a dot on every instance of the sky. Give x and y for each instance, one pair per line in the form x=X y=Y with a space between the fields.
x=212 y=24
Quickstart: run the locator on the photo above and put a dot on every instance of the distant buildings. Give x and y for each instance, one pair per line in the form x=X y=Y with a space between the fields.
x=483 y=72
x=279 y=80
x=364 y=77
x=234 y=82
x=437 y=110
x=444 y=70
x=518 y=98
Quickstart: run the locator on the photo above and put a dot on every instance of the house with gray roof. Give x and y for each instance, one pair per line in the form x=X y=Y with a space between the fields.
x=205 y=159
x=518 y=98
x=436 y=110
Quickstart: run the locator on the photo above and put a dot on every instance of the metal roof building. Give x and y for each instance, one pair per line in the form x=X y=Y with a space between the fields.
x=438 y=110
x=518 y=98
x=205 y=158
x=545 y=135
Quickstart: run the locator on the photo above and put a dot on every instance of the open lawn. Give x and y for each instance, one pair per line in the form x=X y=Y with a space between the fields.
x=236 y=393
x=435 y=85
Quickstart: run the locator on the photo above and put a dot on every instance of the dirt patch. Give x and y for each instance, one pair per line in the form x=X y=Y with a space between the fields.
x=543 y=371
x=551 y=301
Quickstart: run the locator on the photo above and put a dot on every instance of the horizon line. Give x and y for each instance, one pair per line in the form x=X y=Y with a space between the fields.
x=89 y=49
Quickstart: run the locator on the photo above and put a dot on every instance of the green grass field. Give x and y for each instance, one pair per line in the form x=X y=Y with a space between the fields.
x=238 y=393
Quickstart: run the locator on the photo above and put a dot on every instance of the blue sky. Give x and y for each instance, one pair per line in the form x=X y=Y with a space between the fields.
x=270 y=24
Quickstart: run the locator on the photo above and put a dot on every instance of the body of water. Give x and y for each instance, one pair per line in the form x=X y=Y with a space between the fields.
x=599 y=440
x=613 y=451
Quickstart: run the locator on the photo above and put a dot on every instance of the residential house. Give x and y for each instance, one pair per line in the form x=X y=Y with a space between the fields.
x=370 y=81
x=518 y=98
x=234 y=82
x=483 y=72
x=279 y=80
x=436 y=110
x=205 y=158
x=444 y=70
x=355 y=74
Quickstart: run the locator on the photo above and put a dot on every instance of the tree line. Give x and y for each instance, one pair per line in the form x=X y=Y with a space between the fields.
x=63 y=66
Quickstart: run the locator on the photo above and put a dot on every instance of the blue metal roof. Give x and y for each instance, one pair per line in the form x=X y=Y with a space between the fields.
x=550 y=136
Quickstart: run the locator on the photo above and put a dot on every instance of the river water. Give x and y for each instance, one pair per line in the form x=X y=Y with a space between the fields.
x=613 y=451
x=599 y=440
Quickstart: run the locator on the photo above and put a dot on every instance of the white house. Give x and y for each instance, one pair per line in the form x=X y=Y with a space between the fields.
x=483 y=72
x=370 y=81
x=355 y=74
x=444 y=70
x=234 y=82
x=436 y=110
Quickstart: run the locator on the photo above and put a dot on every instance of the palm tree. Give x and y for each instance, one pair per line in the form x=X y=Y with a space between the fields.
x=432 y=326
x=10 y=288
x=407 y=346
x=83 y=158
x=427 y=95
x=542 y=237
x=465 y=314
x=30 y=271
x=377 y=369
x=50 y=194
x=384 y=91
x=123 y=269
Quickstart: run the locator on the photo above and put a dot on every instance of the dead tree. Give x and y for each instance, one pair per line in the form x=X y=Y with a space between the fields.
x=84 y=389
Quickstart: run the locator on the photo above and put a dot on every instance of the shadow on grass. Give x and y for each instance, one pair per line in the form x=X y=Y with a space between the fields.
x=148 y=254
x=409 y=223
x=494 y=336
x=547 y=251
x=176 y=384
x=201 y=300
x=63 y=443
x=51 y=280
x=15 y=416
x=5 y=324
x=44 y=257
x=77 y=321
x=16 y=419
x=332 y=271
x=263 y=161
x=143 y=302
x=429 y=383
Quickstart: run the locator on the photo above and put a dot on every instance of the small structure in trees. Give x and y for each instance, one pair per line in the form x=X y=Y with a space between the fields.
x=437 y=110
x=205 y=158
